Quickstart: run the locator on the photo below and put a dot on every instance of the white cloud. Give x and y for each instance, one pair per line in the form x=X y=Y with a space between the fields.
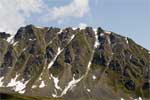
x=77 y=8
x=14 y=13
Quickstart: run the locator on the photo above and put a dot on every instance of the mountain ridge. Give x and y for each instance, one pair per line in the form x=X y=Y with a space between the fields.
x=73 y=63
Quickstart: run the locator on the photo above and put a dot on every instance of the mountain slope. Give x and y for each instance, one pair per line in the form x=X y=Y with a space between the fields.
x=73 y=64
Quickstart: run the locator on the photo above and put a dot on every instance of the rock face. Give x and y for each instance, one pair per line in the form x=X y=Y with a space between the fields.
x=73 y=64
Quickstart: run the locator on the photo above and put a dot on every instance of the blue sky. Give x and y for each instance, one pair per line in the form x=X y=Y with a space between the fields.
x=127 y=17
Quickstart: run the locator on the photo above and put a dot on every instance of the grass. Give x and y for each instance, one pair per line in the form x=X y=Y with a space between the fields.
x=6 y=96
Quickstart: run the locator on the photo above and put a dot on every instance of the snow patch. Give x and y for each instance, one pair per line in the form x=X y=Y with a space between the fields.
x=10 y=39
x=22 y=91
x=89 y=64
x=60 y=31
x=88 y=90
x=72 y=38
x=96 y=37
x=56 y=81
x=71 y=85
x=42 y=84
x=108 y=32
x=121 y=99
x=102 y=34
x=108 y=39
x=50 y=42
x=24 y=49
x=126 y=39
x=138 y=98
x=40 y=78
x=94 y=77
x=18 y=86
x=55 y=95
x=52 y=62
x=15 y=43
x=1 y=83
x=130 y=56
x=112 y=53
x=12 y=81
x=34 y=86
x=32 y=39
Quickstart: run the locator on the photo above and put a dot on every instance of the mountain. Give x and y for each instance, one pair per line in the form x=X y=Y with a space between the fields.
x=72 y=64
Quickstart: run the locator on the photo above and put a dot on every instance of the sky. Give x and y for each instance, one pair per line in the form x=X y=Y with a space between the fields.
x=129 y=18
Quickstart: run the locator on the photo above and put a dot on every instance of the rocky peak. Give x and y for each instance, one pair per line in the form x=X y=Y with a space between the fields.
x=4 y=35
